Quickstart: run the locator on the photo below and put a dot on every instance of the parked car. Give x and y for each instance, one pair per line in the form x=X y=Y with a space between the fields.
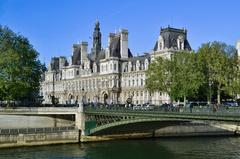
x=230 y=104
x=137 y=107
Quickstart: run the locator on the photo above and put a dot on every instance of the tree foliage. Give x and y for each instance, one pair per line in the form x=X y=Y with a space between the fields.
x=187 y=77
x=179 y=76
x=217 y=62
x=159 y=75
x=214 y=69
x=20 y=70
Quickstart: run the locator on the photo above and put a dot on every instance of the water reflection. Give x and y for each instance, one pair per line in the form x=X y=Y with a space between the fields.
x=164 y=148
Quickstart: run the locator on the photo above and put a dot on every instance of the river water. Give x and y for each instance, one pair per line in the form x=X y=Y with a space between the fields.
x=161 y=148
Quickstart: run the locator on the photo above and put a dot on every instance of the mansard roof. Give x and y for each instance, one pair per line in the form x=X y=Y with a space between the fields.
x=115 y=49
x=170 y=37
x=100 y=56
x=76 y=58
x=54 y=63
x=141 y=58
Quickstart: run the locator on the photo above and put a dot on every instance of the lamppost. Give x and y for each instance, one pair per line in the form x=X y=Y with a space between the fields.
x=53 y=92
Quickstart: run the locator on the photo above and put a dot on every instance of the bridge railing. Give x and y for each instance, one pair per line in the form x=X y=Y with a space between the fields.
x=222 y=110
x=35 y=130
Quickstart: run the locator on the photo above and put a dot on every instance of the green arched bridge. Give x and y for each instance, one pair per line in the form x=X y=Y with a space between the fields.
x=104 y=121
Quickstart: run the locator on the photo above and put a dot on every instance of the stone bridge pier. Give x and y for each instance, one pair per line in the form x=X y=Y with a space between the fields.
x=80 y=119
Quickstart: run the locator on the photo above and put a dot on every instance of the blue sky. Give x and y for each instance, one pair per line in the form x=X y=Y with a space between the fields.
x=52 y=26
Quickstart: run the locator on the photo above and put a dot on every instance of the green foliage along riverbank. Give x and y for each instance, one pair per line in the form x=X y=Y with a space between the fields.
x=20 y=69
x=210 y=73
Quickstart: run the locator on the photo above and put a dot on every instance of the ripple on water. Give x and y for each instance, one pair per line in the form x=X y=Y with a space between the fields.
x=164 y=148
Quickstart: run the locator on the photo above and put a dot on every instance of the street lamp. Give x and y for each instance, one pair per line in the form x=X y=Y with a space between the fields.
x=53 y=92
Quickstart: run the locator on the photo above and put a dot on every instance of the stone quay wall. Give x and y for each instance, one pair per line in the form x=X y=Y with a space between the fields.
x=38 y=136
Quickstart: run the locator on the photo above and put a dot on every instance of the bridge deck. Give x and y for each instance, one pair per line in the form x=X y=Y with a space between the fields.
x=219 y=116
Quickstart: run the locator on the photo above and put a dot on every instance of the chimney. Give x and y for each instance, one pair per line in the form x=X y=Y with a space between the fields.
x=110 y=38
x=76 y=54
x=124 y=43
x=84 y=46
x=62 y=61
x=55 y=64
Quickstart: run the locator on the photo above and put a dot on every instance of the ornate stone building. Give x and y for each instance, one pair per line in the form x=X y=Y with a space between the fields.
x=112 y=74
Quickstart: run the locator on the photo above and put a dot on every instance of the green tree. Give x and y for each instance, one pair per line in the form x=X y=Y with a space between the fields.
x=233 y=84
x=159 y=77
x=179 y=77
x=20 y=70
x=216 y=65
x=187 y=77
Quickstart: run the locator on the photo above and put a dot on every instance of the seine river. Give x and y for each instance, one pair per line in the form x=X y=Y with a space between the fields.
x=162 y=148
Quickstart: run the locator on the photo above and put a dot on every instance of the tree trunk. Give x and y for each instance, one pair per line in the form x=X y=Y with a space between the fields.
x=208 y=100
x=219 y=94
x=210 y=96
x=184 y=100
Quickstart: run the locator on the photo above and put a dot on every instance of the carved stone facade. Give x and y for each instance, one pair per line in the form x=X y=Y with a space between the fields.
x=109 y=75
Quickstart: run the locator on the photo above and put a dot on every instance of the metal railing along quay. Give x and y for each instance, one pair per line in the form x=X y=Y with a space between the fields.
x=35 y=130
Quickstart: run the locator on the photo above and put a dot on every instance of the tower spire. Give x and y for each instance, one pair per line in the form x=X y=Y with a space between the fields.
x=97 y=44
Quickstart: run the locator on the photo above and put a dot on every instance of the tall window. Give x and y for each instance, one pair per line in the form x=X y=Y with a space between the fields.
x=141 y=82
x=115 y=67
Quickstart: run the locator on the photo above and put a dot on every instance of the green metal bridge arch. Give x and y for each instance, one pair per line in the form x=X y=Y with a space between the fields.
x=135 y=121
x=128 y=117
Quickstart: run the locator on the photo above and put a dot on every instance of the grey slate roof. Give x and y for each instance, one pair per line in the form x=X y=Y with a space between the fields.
x=96 y=57
x=170 y=36
x=54 y=63
x=115 y=47
x=140 y=58
x=76 y=58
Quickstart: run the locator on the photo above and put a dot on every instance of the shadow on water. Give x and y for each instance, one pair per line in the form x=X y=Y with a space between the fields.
x=162 y=148
x=127 y=149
